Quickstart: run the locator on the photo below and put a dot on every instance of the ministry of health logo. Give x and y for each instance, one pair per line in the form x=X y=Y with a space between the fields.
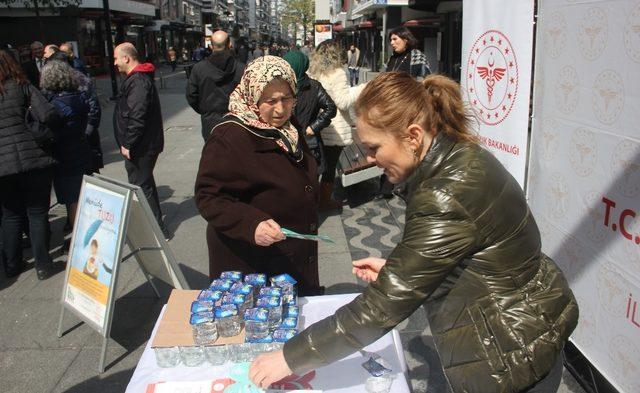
x=492 y=77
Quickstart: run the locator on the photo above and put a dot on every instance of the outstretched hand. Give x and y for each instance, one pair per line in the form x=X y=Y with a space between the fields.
x=269 y=368
x=367 y=269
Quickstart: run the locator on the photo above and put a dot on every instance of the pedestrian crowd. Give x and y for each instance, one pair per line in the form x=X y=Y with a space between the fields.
x=275 y=121
x=49 y=139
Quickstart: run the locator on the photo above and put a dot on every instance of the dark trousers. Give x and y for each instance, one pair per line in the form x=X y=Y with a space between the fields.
x=353 y=76
x=331 y=155
x=140 y=173
x=26 y=193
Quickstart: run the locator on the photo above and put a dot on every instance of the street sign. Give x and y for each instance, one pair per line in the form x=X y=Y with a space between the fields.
x=110 y=213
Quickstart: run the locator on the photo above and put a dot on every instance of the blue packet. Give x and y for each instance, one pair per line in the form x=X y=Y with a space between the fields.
x=270 y=291
x=202 y=306
x=232 y=275
x=258 y=314
x=262 y=340
x=284 y=335
x=290 y=312
x=256 y=279
x=221 y=285
x=269 y=302
x=233 y=298
x=374 y=368
x=226 y=311
x=241 y=288
x=289 y=323
x=289 y=299
x=201 y=317
x=209 y=295
x=283 y=280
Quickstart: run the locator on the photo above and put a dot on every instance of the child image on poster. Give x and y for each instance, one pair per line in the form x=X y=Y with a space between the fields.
x=95 y=263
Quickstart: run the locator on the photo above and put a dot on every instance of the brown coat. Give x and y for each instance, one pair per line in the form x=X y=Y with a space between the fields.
x=245 y=179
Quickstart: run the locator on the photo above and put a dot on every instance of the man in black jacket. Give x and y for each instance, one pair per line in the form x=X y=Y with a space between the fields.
x=32 y=67
x=212 y=81
x=137 y=121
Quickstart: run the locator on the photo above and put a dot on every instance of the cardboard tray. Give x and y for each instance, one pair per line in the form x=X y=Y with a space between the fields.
x=175 y=330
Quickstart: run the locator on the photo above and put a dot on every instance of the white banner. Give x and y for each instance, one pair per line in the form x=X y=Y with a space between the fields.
x=497 y=42
x=584 y=171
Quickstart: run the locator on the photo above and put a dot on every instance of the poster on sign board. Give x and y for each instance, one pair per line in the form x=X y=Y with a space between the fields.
x=322 y=32
x=497 y=45
x=95 y=251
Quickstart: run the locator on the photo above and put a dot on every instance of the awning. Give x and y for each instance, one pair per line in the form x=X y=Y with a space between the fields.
x=426 y=22
x=366 y=25
x=132 y=7
x=424 y=5
x=157 y=25
x=367 y=6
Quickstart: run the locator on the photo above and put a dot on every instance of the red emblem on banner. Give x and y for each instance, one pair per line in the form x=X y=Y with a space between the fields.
x=492 y=77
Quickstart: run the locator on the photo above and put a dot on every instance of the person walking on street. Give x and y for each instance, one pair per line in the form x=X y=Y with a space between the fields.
x=137 y=122
x=173 y=59
x=258 y=52
x=313 y=111
x=405 y=58
x=353 y=64
x=76 y=62
x=26 y=170
x=90 y=97
x=212 y=81
x=326 y=67
x=71 y=149
x=32 y=67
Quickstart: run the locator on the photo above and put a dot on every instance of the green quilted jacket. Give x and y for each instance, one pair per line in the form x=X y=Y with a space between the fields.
x=499 y=309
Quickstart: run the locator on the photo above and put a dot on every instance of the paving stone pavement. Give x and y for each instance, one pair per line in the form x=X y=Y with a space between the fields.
x=33 y=359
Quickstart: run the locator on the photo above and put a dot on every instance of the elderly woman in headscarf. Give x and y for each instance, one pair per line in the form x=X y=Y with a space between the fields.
x=256 y=177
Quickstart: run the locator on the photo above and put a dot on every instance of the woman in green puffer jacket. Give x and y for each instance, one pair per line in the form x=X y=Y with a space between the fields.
x=499 y=309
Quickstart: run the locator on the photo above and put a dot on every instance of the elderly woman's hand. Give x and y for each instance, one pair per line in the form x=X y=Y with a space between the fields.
x=269 y=368
x=367 y=269
x=268 y=232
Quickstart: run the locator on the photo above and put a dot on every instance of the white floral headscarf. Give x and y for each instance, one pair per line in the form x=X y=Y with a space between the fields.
x=243 y=102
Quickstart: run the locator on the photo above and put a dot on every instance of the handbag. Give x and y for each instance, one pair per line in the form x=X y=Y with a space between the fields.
x=317 y=150
x=38 y=110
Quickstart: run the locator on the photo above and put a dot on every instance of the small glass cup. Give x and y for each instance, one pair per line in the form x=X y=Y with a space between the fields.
x=379 y=384
x=240 y=353
x=217 y=355
x=192 y=356
x=167 y=357
x=260 y=348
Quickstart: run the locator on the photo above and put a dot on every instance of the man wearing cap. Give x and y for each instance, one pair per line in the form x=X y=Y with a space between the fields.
x=212 y=81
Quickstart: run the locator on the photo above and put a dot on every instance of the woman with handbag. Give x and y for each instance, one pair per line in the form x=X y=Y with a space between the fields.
x=326 y=67
x=313 y=112
x=26 y=169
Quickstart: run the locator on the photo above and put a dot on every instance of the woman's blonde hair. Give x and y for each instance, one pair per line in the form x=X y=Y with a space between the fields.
x=326 y=58
x=394 y=100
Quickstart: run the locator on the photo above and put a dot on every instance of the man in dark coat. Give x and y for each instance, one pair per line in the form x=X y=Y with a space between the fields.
x=137 y=122
x=32 y=67
x=212 y=81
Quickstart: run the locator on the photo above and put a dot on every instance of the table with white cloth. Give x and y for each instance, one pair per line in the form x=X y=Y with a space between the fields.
x=346 y=375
